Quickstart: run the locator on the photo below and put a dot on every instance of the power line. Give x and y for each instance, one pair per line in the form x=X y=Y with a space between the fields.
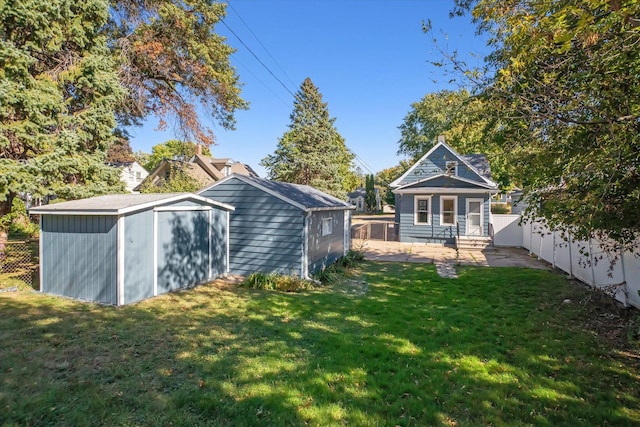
x=257 y=58
x=261 y=44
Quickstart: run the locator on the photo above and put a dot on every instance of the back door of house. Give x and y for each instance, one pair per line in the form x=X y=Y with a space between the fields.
x=183 y=249
x=474 y=217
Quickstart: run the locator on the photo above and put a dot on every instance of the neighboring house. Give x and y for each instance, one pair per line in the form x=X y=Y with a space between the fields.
x=280 y=227
x=358 y=199
x=443 y=194
x=132 y=174
x=203 y=169
x=119 y=249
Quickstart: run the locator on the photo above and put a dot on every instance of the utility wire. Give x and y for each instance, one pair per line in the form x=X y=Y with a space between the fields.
x=295 y=97
x=257 y=58
x=261 y=44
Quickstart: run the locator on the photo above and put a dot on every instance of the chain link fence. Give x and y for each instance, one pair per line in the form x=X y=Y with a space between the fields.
x=19 y=265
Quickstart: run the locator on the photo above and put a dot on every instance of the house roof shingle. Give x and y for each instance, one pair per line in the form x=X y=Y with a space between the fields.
x=302 y=196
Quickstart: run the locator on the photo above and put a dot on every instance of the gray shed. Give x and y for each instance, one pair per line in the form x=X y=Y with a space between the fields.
x=281 y=227
x=119 y=249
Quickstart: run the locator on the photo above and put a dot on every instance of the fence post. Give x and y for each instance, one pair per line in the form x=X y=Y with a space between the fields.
x=593 y=273
x=570 y=256
x=624 y=279
x=553 y=259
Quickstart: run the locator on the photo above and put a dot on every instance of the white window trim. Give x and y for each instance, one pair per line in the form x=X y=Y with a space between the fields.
x=415 y=210
x=455 y=209
x=455 y=168
x=327 y=226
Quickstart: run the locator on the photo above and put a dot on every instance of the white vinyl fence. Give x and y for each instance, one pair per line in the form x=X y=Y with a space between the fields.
x=618 y=274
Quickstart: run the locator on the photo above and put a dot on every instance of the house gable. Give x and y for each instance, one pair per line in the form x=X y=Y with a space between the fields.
x=443 y=160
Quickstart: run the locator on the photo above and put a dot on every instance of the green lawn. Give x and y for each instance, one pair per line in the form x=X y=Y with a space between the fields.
x=493 y=347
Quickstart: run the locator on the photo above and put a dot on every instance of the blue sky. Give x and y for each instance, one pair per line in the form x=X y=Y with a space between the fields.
x=368 y=58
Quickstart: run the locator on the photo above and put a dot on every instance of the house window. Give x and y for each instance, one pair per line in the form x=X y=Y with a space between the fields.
x=130 y=175
x=138 y=176
x=451 y=168
x=327 y=226
x=448 y=209
x=422 y=210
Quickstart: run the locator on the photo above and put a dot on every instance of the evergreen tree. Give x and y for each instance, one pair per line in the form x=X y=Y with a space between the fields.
x=58 y=92
x=370 y=196
x=312 y=152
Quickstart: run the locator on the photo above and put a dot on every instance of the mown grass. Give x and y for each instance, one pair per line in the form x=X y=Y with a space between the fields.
x=493 y=347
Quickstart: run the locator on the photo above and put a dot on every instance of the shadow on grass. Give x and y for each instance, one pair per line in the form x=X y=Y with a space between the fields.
x=496 y=346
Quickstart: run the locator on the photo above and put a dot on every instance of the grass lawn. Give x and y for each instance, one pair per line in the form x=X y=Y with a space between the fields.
x=493 y=347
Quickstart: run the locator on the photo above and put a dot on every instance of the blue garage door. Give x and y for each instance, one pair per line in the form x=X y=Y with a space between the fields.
x=183 y=251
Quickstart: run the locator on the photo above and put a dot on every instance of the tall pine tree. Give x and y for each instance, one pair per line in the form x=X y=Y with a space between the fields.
x=58 y=92
x=312 y=152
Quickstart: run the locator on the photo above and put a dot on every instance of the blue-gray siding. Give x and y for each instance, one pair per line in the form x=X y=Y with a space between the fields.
x=325 y=250
x=434 y=232
x=435 y=164
x=265 y=232
x=138 y=256
x=79 y=257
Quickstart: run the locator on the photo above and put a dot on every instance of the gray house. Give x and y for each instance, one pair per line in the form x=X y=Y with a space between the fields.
x=280 y=227
x=445 y=197
x=119 y=249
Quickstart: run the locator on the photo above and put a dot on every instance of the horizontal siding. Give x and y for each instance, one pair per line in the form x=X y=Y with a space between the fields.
x=434 y=232
x=325 y=250
x=265 y=232
x=79 y=257
x=435 y=164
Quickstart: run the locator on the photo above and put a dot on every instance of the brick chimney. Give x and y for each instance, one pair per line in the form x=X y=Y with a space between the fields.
x=199 y=149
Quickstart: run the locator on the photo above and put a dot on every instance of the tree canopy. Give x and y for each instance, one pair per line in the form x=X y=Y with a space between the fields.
x=174 y=65
x=567 y=72
x=467 y=123
x=173 y=149
x=312 y=152
x=59 y=89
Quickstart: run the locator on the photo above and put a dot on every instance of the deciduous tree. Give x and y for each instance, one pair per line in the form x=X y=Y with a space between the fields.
x=173 y=149
x=468 y=124
x=569 y=71
x=312 y=152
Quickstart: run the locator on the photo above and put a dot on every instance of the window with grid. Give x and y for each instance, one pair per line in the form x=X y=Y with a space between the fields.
x=422 y=210
x=448 y=210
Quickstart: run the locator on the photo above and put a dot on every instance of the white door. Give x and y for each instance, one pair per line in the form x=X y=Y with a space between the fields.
x=474 y=217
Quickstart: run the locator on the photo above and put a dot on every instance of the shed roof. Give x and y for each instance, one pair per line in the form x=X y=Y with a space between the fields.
x=117 y=204
x=302 y=196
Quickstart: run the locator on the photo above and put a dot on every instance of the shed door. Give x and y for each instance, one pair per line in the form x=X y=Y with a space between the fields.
x=183 y=249
x=474 y=217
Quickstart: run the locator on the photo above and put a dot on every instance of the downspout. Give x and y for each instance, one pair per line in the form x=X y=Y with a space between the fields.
x=120 y=261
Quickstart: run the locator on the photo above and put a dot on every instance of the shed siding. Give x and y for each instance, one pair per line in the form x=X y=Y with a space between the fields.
x=218 y=243
x=436 y=164
x=79 y=257
x=265 y=232
x=434 y=232
x=324 y=250
x=138 y=256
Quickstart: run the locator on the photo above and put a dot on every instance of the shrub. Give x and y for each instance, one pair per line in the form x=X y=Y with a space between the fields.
x=500 y=208
x=335 y=271
x=276 y=282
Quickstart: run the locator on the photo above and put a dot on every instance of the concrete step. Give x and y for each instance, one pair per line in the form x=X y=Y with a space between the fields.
x=473 y=243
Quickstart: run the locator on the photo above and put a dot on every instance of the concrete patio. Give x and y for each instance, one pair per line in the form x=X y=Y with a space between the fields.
x=427 y=253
